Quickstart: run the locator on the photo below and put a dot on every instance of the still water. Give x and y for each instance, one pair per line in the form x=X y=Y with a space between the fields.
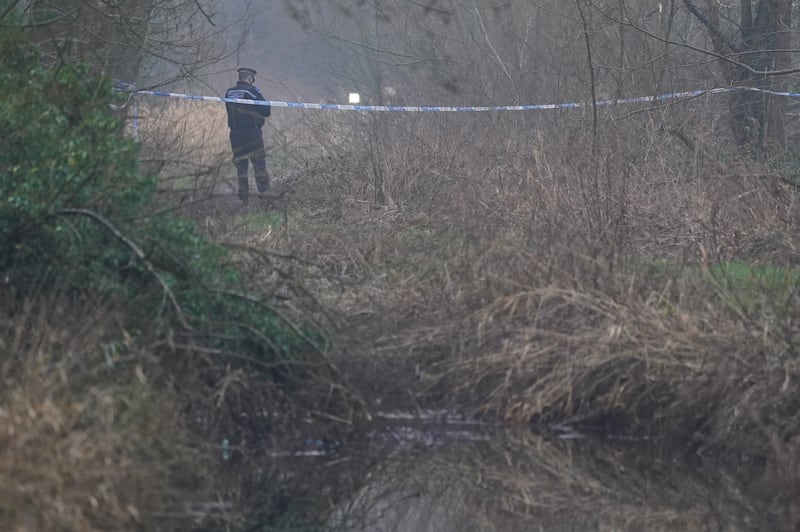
x=446 y=474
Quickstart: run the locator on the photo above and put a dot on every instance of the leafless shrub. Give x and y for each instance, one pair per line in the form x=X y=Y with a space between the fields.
x=518 y=271
x=121 y=39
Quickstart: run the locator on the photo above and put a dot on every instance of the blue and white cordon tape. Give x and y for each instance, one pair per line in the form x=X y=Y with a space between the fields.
x=462 y=109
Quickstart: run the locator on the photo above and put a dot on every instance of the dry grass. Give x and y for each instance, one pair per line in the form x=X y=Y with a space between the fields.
x=498 y=272
x=88 y=442
x=103 y=427
x=186 y=144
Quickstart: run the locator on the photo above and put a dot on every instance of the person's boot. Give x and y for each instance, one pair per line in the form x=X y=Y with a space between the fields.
x=265 y=199
x=261 y=175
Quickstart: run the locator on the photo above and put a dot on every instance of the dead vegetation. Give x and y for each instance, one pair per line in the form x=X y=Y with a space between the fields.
x=104 y=426
x=88 y=442
x=498 y=272
x=489 y=266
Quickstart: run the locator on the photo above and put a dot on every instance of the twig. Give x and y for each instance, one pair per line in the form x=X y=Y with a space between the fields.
x=591 y=74
x=208 y=16
x=431 y=7
x=716 y=33
x=491 y=46
x=332 y=417
x=716 y=55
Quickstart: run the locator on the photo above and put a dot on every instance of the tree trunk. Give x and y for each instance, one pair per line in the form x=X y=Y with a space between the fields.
x=776 y=106
x=760 y=46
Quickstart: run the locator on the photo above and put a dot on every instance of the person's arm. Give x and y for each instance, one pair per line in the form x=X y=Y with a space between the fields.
x=263 y=110
x=229 y=110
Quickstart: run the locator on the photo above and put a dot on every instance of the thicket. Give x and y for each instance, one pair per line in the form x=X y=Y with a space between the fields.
x=130 y=344
x=77 y=213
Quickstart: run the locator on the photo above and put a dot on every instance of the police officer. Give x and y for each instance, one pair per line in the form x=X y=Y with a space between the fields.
x=247 y=141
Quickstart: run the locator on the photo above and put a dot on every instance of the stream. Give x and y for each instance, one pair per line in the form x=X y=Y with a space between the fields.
x=439 y=472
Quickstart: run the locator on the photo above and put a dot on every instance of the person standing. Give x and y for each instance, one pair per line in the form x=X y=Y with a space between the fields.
x=247 y=142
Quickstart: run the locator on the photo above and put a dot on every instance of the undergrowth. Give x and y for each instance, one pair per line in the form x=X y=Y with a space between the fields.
x=633 y=297
x=130 y=343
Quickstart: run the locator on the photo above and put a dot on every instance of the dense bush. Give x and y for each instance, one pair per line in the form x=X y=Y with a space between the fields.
x=75 y=212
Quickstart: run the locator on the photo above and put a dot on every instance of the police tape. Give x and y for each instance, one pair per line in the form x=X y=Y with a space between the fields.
x=445 y=109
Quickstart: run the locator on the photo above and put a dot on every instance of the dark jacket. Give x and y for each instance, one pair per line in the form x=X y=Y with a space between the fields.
x=243 y=116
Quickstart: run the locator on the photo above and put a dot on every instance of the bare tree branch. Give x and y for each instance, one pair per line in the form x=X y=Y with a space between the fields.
x=716 y=33
x=208 y=16
x=491 y=46
x=591 y=71
x=728 y=58
x=429 y=7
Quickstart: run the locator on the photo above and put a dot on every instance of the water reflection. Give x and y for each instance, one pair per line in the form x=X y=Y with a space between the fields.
x=498 y=480
x=422 y=476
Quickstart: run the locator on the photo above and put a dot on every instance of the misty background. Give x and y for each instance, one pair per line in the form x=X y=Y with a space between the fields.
x=440 y=53
x=292 y=64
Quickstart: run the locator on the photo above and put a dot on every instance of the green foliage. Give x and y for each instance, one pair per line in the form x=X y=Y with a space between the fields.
x=748 y=277
x=75 y=211
x=754 y=288
x=60 y=148
x=749 y=290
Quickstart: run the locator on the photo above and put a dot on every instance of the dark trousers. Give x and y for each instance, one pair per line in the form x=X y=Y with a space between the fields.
x=248 y=146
